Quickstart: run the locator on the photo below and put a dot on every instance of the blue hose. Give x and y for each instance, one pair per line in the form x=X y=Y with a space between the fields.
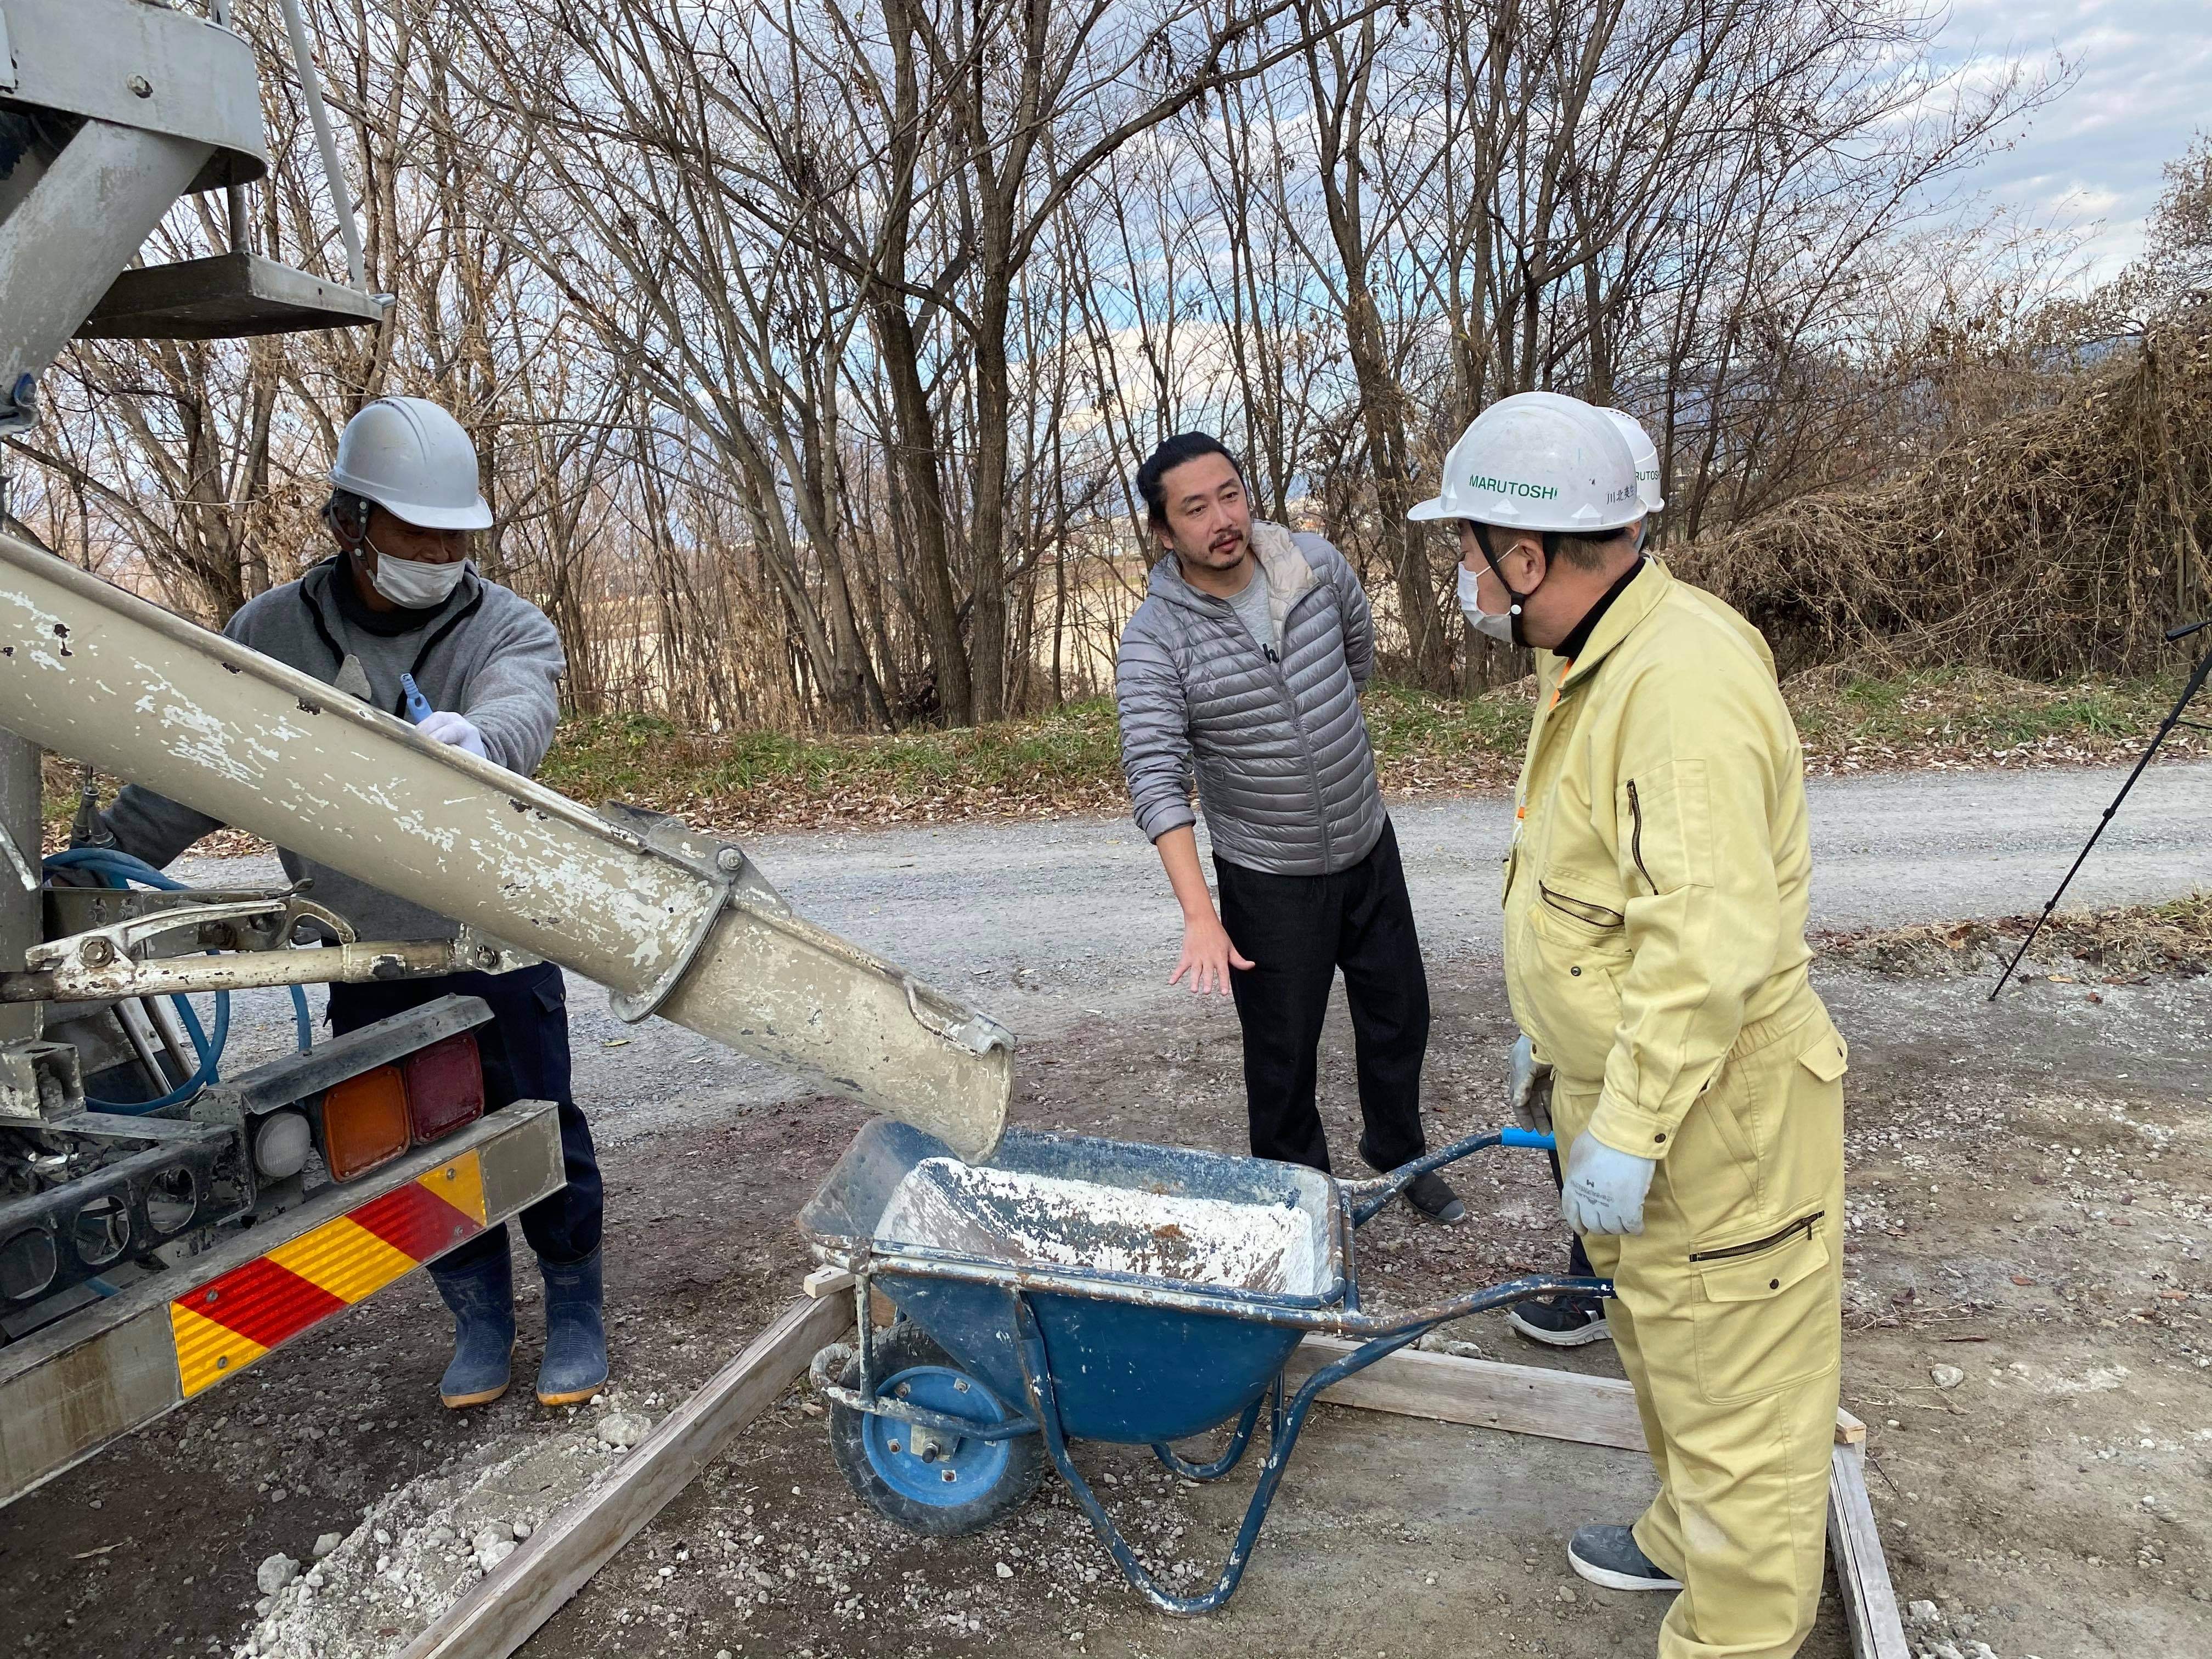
x=120 y=869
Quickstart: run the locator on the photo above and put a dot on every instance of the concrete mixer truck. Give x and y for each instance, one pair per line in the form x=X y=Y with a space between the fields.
x=163 y=1226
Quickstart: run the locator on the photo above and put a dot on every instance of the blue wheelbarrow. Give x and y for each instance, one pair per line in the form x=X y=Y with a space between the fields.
x=943 y=1421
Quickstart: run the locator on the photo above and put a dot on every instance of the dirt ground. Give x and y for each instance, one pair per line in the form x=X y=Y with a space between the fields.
x=2029 y=1204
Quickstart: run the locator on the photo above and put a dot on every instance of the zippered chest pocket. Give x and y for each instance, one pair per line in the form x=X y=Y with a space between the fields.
x=1568 y=969
x=1589 y=912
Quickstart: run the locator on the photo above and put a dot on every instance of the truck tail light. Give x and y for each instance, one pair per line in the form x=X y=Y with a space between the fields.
x=364 y=1122
x=281 y=1141
x=28 y=1264
x=445 y=1086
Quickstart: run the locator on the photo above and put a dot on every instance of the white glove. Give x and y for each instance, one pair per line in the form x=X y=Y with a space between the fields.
x=449 y=727
x=1603 y=1191
x=1529 y=1091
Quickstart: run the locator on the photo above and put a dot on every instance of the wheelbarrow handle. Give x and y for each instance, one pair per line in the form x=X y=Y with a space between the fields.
x=1369 y=1196
x=1038 y=1382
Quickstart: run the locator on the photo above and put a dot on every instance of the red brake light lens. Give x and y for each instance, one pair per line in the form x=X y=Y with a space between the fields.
x=445 y=1086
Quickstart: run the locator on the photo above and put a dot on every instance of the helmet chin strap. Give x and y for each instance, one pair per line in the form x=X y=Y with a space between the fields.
x=1516 y=602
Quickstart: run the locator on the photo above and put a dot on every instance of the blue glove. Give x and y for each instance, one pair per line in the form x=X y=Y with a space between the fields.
x=1528 y=1088
x=1603 y=1190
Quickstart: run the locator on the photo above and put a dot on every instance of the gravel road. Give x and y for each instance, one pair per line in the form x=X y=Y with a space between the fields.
x=1082 y=902
x=1053 y=926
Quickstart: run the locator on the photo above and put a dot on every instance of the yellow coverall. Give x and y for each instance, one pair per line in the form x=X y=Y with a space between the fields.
x=1654 y=953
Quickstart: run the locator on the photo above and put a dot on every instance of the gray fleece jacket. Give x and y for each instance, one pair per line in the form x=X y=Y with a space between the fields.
x=1269 y=731
x=487 y=653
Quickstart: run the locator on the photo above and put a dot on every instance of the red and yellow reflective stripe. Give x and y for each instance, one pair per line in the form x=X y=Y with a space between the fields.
x=230 y=1322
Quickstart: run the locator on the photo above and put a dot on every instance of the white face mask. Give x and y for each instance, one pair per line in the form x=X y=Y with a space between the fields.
x=415 y=583
x=1497 y=626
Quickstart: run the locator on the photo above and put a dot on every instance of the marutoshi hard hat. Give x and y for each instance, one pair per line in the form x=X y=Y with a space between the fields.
x=1646 y=456
x=1539 y=461
x=412 y=459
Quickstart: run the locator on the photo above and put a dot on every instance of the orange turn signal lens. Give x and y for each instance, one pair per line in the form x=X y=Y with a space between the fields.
x=364 y=1122
x=445 y=1086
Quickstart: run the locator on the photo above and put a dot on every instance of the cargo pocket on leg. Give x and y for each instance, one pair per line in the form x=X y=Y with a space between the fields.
x=1767 y=1317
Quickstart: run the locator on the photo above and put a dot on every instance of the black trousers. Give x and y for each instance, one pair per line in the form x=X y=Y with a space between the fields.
x=1299 y=931
x=524 y=1049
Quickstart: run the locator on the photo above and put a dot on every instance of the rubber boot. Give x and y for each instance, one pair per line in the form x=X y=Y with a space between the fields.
x=482 y=1298
x=575 y=1363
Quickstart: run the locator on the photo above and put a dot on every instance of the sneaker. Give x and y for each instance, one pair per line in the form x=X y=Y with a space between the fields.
x=1433 y=1197
x=1561 y=1322
x=1609 y=1556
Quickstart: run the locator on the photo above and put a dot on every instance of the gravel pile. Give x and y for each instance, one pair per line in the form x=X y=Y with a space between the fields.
x=1935 y=1634
x=422 y=1545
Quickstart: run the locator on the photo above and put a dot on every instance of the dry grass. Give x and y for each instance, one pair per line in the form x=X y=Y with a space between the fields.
x=1059 y=764
x=1069 y=762
x=2061 y=542
x=1943 y=719
x=2112 y=947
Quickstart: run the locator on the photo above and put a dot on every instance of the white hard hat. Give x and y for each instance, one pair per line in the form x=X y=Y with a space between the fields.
x=413 y=460
x=1540 y=461
x=1645 y=453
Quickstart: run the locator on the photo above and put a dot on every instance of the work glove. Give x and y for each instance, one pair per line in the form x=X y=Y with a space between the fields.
x=1603 y=1190
x=449 y=727
x=1528 y=1091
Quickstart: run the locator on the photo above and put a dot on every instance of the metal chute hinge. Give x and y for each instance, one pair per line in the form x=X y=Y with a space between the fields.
x=732 y=876
x=631 y=1007
x=973 y=1030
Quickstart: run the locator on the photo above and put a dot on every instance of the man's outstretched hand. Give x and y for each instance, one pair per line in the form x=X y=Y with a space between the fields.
x=1208 y=955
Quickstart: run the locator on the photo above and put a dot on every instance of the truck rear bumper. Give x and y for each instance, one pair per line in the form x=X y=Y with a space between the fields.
x=71 y=1388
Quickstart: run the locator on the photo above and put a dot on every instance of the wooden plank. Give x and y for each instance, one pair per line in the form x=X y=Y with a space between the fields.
x=524 y=1590
x=1862 y=1570
x=1598 y=1411
x=1601 y=1410
x=824 y=1283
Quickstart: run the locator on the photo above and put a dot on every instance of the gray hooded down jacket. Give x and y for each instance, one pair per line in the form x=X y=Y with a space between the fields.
x=1274 y=739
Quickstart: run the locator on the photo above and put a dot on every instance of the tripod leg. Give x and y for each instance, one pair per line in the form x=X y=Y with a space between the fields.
x=2164 y=730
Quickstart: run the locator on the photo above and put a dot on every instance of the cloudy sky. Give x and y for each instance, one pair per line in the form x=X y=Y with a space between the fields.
x=2092 y=158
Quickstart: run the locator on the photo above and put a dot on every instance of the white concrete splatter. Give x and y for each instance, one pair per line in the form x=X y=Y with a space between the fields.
x=944 y=1204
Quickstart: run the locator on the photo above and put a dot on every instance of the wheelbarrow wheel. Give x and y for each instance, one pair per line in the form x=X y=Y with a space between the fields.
x=953 y=1490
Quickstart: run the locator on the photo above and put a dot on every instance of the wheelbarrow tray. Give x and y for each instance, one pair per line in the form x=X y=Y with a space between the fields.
x=1136 y=1359
x=1080 y=1352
